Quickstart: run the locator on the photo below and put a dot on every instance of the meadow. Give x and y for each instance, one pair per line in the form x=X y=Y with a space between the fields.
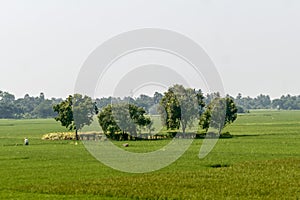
x=260 y=161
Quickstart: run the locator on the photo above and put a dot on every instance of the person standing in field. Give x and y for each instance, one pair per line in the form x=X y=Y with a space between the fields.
x=26 y=142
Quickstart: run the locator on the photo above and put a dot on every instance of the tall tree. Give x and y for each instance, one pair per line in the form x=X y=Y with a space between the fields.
x=107 y=121
x=181 y=106
x=219 y=113
x=7 y=106
x=122 y=117
x=75 y=112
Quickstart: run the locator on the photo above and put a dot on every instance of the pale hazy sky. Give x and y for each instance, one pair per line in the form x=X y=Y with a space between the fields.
x=254 y=44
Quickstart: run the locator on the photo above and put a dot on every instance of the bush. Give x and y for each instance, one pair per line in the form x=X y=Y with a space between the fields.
x=202 y=135
x=226 y=135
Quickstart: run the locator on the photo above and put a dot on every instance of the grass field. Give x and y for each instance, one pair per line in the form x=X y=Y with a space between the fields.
x=261 y=161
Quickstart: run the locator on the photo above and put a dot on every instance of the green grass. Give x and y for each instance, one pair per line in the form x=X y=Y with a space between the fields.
x=261 y=161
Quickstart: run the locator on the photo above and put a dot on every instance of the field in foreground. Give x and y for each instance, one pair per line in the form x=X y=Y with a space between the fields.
x=262 y=160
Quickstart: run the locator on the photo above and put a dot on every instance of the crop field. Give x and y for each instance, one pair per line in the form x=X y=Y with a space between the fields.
x=260 y=161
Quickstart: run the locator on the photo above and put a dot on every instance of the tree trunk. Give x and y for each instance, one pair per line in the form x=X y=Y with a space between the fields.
x=183 y=129
x=76 y=134
x=220 y=129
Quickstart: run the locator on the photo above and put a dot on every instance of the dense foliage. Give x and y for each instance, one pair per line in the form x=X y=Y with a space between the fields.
x=285 y=102
x=143 y=101
x=181 y=107
x=119 y=121
x=215 y=116
x=75 y=112
x=26 y=107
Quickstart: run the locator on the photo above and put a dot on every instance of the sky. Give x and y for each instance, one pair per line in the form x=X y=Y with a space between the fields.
x=254 y=45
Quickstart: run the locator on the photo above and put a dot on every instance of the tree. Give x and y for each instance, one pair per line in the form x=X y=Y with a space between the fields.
x=262 y=102
x=107 y=122
x=122 y=118
x=219 y=113
x=7 y=106
x=181 y=106
x=103 y=102
x=157 y=97
x=287 y=102
x=44 y=109
x=137 y=114
x=75 y=112
x=144 y=101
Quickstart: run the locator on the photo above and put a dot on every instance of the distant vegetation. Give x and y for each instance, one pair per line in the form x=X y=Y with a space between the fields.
x=30 y=107
x=26 y=107
x=285 y=102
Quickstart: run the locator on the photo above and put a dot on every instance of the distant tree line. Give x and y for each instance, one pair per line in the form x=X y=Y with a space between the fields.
x=40 y=107
x=144 y=101
x=285 y=102
x=26 y=107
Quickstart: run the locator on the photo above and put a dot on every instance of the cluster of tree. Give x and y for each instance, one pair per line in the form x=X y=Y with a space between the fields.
x=287 y=102
x=27 y=107
x=259 y=102
x=182 y=106
x=178 y=107
x=117 y=120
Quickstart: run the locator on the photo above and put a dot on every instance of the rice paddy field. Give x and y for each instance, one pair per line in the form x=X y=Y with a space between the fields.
x=260 y=161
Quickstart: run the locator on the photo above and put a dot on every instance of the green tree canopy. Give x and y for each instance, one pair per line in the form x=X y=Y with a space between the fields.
x=181 y=106
x=7 y=107
x=122 y=117
x=75 y=112
x=219 y=113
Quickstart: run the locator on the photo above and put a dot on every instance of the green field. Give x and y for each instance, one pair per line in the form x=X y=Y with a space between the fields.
x=261 y=161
